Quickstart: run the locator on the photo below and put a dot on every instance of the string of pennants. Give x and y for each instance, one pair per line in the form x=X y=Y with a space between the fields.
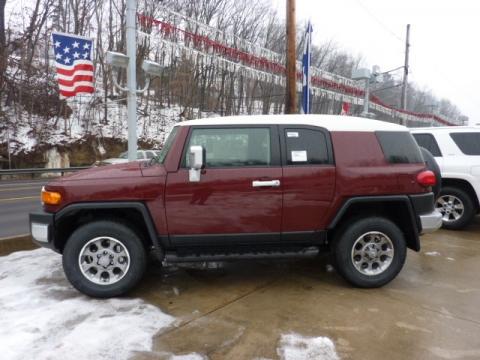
x=233 y=54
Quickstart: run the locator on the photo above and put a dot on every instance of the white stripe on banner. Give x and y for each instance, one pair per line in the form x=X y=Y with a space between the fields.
x=77 y=73
x=77 y=84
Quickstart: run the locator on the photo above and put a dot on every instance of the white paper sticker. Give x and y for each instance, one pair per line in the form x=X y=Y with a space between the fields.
x=292 y=134
x=299 y=156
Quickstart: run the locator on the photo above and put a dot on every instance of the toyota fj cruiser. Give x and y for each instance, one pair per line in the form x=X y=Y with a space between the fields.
x=246 y=188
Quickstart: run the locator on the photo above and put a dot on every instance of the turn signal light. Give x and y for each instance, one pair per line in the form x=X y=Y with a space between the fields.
x=427 y=178
x=51 y=197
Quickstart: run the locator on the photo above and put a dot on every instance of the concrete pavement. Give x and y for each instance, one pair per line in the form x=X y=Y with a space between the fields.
x=240 y=311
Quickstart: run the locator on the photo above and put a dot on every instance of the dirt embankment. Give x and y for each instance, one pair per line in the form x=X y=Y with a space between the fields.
x=82 y=152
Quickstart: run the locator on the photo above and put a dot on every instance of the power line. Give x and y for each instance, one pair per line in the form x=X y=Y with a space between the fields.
x=381 y=23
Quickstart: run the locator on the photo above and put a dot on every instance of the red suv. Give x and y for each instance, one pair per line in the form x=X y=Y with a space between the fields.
x=246 y=188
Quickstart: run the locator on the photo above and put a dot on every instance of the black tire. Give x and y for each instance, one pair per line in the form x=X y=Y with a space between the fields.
x=449 y=222
x=347 y=238
x=135 y=257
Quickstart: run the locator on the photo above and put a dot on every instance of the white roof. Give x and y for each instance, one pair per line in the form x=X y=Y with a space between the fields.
x=446 y=129
x=329 y=122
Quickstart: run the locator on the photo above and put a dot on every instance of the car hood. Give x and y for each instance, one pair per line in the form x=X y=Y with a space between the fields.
x=116 y=171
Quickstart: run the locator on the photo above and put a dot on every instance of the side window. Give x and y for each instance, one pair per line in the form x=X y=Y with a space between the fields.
x=305 y=146
x=428 y=142
x=399 y=147
x=140 y=155
x=469 y=143
x=233 y=147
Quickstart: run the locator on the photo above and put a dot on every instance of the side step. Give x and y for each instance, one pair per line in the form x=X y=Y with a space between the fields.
x=204 y=255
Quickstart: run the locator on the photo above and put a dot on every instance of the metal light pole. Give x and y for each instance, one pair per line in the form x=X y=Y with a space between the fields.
x=131 y=80
x=366 y=99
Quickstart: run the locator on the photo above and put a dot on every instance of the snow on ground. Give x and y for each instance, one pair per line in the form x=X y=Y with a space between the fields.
x=43 y=317
x=296 y=347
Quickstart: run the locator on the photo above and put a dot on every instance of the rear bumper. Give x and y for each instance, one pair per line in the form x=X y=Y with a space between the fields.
x=431 y=221
x=42 y=229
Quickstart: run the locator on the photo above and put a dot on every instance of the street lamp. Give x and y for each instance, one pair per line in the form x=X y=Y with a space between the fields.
x=363 y=74
x=368 y=76
x=152 y=69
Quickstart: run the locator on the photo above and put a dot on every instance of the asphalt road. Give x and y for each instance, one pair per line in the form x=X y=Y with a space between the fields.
x=17 y=200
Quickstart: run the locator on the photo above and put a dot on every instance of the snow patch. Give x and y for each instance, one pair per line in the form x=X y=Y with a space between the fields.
x=295 y=347
x=192 y=356
x=43 y=317
x=432 y=253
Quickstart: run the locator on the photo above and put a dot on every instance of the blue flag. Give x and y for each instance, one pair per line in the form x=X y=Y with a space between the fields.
x=306 y=96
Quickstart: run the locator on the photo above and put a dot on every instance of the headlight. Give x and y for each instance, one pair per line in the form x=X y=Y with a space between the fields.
x=51 y=197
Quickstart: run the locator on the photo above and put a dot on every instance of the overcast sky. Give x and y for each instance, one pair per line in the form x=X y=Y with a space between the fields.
x=444 y=38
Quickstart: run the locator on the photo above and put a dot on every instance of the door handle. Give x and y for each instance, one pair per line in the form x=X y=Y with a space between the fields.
x=269 y=183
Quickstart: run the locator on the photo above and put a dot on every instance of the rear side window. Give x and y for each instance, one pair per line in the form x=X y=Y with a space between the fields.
x=234 y=147
x=469 y=143
x=399 y=147
x=428 y=142
x=306 y=146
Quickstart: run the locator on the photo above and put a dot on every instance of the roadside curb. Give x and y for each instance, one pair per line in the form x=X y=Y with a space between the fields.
x=11 y=244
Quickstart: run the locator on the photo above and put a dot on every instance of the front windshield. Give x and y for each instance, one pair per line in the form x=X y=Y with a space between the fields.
x=123 y=155
x=166 y=147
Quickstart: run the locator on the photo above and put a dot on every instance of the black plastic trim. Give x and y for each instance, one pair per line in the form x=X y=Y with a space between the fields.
x=305 y=237
x=414 y=218
x=117 y=205
x=423 y=203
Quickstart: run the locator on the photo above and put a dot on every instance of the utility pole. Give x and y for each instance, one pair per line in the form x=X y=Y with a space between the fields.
x=291 y=99
x=132 y=79
x=405 y=70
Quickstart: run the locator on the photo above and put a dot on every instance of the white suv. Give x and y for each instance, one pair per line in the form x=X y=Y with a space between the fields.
x=457 y=152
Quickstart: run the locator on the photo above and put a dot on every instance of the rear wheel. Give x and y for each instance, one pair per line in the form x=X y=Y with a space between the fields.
x=370 y=252
x=456 y=207
x=104 y=259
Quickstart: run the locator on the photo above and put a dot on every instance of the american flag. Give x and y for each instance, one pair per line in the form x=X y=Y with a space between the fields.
x=73 y=59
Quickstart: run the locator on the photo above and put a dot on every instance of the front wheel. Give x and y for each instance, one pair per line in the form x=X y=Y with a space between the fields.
x=370 y=252
x=104 y=259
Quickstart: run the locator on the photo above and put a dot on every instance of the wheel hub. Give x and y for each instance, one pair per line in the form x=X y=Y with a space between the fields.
x=451 y=207
x=372 y=253
x=104 y=260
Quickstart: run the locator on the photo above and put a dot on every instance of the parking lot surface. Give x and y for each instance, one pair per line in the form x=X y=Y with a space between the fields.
x=242 y=310
x=289 y=310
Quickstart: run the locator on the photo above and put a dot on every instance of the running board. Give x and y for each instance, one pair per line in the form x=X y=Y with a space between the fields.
x=308 y=252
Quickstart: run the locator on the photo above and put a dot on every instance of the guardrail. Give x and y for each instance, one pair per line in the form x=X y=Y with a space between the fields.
x=33 y=171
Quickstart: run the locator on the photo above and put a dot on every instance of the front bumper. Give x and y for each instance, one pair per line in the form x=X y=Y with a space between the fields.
x=431 y=221
x=42 y=229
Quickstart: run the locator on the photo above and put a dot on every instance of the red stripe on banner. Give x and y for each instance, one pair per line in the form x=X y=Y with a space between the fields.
x=75 y=79
x=75 y=68
x=80 y=89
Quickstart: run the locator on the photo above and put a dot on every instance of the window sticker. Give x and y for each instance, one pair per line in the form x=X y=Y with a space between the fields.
x=299 y=156
x=292 y=134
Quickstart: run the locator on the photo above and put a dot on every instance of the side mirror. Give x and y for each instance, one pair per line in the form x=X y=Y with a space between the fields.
x=196 y=162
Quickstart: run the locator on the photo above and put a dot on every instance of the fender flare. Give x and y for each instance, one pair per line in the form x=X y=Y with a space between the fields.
x=136 y=205
x=413 y=240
